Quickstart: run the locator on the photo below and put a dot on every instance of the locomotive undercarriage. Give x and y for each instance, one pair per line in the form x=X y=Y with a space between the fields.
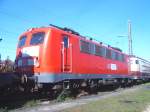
x=27 y=84
x=31 y=85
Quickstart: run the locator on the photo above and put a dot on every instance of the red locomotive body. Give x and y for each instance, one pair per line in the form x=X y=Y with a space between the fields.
x=52 y=54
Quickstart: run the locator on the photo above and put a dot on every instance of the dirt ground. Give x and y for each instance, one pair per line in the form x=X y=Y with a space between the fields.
x=47 y=107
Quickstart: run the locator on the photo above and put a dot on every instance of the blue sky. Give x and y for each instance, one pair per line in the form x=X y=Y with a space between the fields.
x=103 y=20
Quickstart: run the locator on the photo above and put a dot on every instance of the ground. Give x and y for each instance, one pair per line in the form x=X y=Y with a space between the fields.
x=136 y=99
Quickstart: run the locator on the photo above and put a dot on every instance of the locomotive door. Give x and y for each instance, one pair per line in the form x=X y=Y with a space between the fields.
x=66 y=54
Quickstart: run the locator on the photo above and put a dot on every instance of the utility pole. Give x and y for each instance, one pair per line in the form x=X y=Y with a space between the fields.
x=129 y=35
x=130 y=38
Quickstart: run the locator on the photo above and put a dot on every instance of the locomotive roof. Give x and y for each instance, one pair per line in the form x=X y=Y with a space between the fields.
x=84 y=37
x=73 y=32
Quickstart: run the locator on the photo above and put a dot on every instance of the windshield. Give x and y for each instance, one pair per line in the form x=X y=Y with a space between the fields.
x=37 y=38
x=22 y=41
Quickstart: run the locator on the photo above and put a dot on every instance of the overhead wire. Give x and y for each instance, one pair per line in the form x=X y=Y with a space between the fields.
x=5 y=31
x=8 y=32
x=16 y=17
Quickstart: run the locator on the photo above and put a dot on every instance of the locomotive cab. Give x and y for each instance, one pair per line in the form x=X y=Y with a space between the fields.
x=29 y=51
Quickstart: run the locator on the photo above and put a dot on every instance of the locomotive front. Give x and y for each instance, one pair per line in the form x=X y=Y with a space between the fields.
x=29 y=60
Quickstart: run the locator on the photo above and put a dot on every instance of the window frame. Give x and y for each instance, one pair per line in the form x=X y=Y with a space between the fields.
x=113 y=55
x=101 y=51
x=92 y=48
x=35 y=42
x=20 y=40
x=98 y=50
x=108 y=53
x=122 y=57
x=119 y=57
x=84 y=46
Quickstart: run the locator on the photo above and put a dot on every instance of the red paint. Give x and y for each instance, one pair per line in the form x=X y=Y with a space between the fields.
x=50 y=58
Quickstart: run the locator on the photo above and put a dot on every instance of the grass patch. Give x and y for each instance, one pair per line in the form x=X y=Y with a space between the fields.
x=31 y=103
x=64 y=95
x=135 y=101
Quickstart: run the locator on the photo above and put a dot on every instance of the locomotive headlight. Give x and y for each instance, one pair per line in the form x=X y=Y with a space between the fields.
x=36 y=62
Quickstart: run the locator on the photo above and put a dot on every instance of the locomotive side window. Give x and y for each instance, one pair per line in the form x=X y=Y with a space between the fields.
x=113 y=55
x=108 y=53
x=122 y=58
x=37 y=38
x=119 y=57
x=84 y=46
x=97 y=50
x=116 y=56
x=103 y=50
x=22 y=41
x=100 y=51
x=92 y=48
x=65 y=40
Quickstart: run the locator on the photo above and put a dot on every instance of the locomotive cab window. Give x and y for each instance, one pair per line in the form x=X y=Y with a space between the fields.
x=22 y=41
x=37 y=38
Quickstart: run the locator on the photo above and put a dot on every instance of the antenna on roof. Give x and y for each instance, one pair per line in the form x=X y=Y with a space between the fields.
x=118 y=49
x=71 y=31
x=66 y=29
x=56 y=26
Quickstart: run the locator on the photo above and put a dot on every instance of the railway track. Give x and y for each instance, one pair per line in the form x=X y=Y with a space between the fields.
x=20 y=99
x=47 y=106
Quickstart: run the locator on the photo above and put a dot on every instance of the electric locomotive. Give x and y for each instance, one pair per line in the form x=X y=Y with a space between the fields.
x=54 y=55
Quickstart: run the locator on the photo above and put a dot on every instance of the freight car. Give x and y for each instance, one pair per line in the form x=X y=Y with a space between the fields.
x=53 y=57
